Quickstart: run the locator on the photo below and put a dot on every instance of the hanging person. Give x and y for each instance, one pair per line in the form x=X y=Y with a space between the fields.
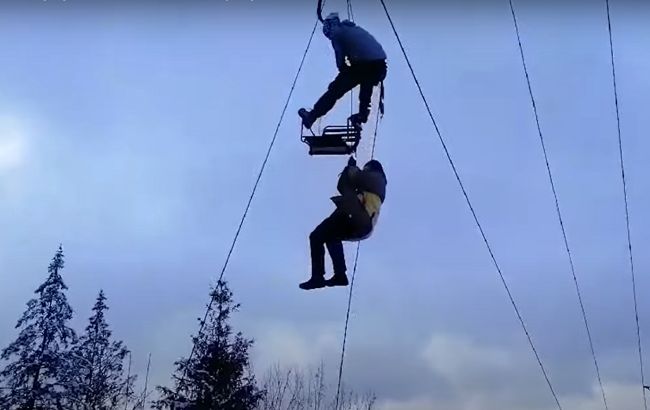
x=367 y=69
x=363 y=191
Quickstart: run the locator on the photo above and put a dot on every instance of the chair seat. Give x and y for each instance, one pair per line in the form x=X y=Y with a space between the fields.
x=335 y=140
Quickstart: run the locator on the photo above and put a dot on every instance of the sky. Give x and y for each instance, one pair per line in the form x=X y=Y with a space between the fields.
x=132 y=133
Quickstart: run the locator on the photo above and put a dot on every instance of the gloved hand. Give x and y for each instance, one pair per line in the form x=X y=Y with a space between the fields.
x=352 y=162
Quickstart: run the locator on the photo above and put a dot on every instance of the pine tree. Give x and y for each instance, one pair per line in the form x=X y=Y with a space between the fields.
x=218 y=375
x=97 y=380
x=37 y=357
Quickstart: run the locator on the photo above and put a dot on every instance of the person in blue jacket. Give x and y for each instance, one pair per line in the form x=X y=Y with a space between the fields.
x=367 y=69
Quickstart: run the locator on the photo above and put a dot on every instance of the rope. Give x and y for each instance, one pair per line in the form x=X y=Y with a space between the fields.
x=351 y=18
x=557 y=207
x=627 y=213
x=345 y=331
x=356 y=257
x=252 y=195
x=374 y=139
x=354 y=272
x=350 y=11
x=471 y=208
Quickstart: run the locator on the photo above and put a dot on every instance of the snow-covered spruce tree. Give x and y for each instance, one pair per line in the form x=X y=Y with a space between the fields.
x=96 y=379
x=35 y=362
x=218 y=375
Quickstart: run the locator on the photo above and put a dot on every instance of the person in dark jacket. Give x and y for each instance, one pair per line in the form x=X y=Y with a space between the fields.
x=362 y=193
x=367 y=69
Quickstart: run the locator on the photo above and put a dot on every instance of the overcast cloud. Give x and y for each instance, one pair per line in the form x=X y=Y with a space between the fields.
x=133 y=134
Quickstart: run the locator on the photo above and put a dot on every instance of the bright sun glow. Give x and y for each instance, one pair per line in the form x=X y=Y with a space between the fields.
x=13 y=144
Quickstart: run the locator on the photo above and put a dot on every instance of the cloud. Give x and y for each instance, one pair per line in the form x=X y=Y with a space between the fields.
x=145 y=177
x=480 y=376
x=483 y=377
x=624 y=396
x=461 y=361
x=283 y=343
x=422 y=403
x=619 y=395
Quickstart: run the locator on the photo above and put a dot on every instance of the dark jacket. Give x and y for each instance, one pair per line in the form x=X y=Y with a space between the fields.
x=362 y=194
x=355 y=43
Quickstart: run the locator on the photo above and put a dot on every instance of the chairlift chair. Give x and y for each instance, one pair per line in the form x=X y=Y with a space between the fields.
x=335 y=140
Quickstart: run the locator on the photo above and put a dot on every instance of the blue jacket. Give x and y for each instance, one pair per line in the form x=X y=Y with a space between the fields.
x=355 y=43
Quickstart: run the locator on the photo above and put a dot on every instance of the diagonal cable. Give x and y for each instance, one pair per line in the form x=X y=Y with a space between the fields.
x=474 y=215
x=252 y=195
x=627 y=213
x=557 y=206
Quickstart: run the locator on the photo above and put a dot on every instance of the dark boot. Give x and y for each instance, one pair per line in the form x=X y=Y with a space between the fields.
x=307 y=117
x=315 y=282
x=339 y=279
x=357 y=119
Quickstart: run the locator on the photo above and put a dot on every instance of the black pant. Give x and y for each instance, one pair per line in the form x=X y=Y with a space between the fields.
x=334 y=229
x=366 y=75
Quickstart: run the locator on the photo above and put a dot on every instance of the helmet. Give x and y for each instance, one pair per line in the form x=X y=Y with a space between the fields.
x=329 y=23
